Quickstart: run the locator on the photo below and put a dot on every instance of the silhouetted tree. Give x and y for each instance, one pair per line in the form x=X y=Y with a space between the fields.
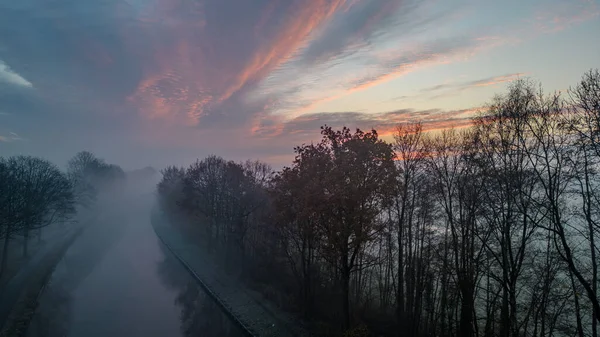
x=510 y=204
x=89 y=175
x=584 y=122
x=297 y=198
x=170 y=187
x=359 y=179
x=38 y=195
x=409 y=147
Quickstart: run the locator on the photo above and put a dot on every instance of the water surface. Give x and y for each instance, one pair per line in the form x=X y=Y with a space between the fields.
x=117 y=279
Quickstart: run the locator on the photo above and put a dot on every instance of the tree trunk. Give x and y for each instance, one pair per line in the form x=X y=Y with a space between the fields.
x=346 y=298
x=514 y=327
x=488 y=306
x=587 y=194
x=466 y=312
x=577 y=306
x=444 y=289
x=5 y=253
x=504 y=314
x=25 y=242
x=568 y=257
x=306 y=259
x=400 y=290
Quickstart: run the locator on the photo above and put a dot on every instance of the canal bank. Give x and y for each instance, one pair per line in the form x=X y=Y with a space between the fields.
x=246 y=307
x=18 y=298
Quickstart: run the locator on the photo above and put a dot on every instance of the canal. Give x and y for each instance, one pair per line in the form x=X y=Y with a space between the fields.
x=117 y=279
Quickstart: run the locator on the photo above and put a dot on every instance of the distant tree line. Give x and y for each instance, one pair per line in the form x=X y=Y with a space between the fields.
x=34 y=193
x=91 y=175
x=490 y=230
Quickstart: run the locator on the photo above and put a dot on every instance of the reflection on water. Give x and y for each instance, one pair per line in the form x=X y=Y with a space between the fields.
x=118 y=280
x=199 y=313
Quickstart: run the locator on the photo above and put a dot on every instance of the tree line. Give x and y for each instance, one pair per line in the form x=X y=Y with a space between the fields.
x=489 y=230
x=34 y=193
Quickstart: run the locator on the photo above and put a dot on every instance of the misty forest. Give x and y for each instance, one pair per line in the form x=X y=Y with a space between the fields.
x=35 y=194
x=487 y=230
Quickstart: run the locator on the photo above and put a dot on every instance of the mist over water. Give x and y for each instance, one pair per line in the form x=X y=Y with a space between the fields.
x=118 y=280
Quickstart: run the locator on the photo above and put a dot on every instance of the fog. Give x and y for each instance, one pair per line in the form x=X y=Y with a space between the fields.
x=117 y=279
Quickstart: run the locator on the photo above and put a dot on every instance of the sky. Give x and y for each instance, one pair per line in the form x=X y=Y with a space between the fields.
x=160 y=82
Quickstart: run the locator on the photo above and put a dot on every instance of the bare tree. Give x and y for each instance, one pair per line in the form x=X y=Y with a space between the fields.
x=10 y=204
x=299 y=209
x=89 y=175
x=39 y=195
x=410 y=152
x=458 y=183
x=170 y=188
x=511 y=207
x=80 y=169
x=584 y=122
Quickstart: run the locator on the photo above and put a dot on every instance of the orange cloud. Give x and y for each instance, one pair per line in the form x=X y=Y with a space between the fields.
x=384 y=122
x=460 y=86
x=367 y=82
x=444 y=55
x=290 y=38
x=394 y=73
x=389 y=66
x=497 y=80
x=193 y=73
x=434 y=125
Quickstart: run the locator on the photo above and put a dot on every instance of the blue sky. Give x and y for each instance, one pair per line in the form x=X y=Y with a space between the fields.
x=153 y=82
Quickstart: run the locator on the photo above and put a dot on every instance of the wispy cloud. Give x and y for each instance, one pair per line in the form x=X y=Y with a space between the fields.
x=307 y=92
x=10 y=137
x=194 y=83
x=355 y=27
x=560 y=15
x=9 y=76
x=308 y=125
x=484 y=82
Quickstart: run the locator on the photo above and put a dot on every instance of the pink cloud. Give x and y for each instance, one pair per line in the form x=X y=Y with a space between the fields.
x=194 y=74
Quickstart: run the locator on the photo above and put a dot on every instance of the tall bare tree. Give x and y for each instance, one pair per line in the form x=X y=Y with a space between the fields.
x=458 y=183
x=510 y=203
x=584 y=123
x=39 y=195
x=408 y=145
